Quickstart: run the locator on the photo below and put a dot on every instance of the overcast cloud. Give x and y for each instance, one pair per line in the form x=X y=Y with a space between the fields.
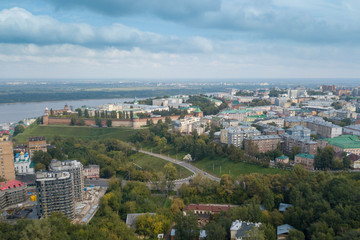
x=172 y=39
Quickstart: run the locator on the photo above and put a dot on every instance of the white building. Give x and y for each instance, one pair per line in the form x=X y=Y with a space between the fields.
x=23 y=164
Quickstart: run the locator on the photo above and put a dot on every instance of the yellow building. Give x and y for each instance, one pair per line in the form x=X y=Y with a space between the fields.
x=7 y=169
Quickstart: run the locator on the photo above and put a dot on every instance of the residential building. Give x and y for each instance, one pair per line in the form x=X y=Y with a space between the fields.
x=92 y=171
x=55 y=193
x=307 y=160
x=299 y=132
x=23 y=164
x=305 y=146
x=188 y=125
x=168 y=102
x=205 y=211
x=352 y=130
x=323 y=128
x=239 y=230
x=264 y=143
x=7 y=170
x=297 y=92
x=36 y=144
x=282 y=232
x=12 y=192
x=283 y=207
x=344 y=143
x=328 y=88
x=235 y=135
x=75 y=168
x=282 y=159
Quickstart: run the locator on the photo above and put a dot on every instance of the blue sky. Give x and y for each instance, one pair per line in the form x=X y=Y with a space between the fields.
x=179 y=39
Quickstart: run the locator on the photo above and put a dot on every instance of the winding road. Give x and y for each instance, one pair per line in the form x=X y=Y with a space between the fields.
x=186 y=165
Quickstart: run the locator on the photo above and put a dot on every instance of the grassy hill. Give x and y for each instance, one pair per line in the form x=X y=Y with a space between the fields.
x=49 y=131
x=154 y=164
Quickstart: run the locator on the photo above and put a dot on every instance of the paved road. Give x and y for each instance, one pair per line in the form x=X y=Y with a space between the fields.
x=186 y=165
x=102 y=182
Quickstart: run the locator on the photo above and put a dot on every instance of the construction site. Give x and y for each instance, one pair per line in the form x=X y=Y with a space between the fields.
x=85 y=210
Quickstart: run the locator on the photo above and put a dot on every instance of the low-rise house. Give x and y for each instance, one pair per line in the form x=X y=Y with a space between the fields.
x=282 y=159
x=283 y=207
x=282 y=232
x=92 y=171
x=305 y=159
x=204 y=212
x=239 y=230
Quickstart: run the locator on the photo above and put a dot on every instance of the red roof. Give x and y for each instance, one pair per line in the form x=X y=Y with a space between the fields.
x=10 y=184
x=215 y=208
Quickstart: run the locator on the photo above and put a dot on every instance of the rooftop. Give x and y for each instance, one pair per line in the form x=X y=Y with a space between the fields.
x=10 y=184
x=282 y=157
x=38 y=138
x=305 y=155
x=344 y=141
x=284 y=229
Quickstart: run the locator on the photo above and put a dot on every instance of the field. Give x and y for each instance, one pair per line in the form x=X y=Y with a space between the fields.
x=154 y=164
x=49 y=131
x=234 y=169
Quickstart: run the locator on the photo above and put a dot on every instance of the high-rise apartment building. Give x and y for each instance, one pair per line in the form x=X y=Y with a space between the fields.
x=7 y=170
x=36 y=144
x=75 y=168
x=55 y=193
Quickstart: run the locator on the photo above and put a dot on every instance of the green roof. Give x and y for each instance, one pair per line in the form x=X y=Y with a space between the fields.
x=305 y=155
x=257 y=116
x=198 y=110
x=136 y=116
x=234 y=111
x=345 y=141
x=32 y=164
x=282 y=157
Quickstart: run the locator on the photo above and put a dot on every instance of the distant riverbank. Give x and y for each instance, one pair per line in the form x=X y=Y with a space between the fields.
x=14 y=112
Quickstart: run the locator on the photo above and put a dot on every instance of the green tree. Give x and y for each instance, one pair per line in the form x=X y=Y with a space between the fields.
x=296 y=235
x=186 y=226
x=98 y=122
x=73 y=120
x=109 y=123
x=215 y=231
x=86 y=113
x=19 y=129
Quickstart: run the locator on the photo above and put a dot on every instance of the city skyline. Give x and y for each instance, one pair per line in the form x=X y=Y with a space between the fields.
x=184 y=39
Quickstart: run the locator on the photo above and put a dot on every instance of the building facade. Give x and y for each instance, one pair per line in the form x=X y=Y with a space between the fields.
x=75 y=168
x=12 y=192
x=36 y=144
x=235 y=135
x=23 y=164
x=92 y=171
x=264 y=143
x=55 y=193
x=7 y=170
x=307 y=160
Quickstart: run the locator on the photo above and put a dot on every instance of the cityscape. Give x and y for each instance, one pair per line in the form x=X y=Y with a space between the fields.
x=179 y=120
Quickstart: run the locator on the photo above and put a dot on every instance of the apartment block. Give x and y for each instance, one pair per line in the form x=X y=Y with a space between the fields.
x=36 y=144
x=188 y=125
x=92 y=171
x=323 y=128
x=12 y=192
x=264 y=143
x=75 y=168
x=7 y=170
x=55 y=193
x=235 y=135
x=307 y=160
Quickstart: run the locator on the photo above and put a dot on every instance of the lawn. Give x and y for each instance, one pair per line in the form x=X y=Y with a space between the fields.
x=234 y=169
x=49 y=131
x=154 y=164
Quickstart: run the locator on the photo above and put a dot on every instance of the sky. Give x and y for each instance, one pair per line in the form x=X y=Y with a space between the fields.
x=179 y=39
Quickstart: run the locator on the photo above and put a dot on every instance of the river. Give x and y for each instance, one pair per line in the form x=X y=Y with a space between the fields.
x=14 y=112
